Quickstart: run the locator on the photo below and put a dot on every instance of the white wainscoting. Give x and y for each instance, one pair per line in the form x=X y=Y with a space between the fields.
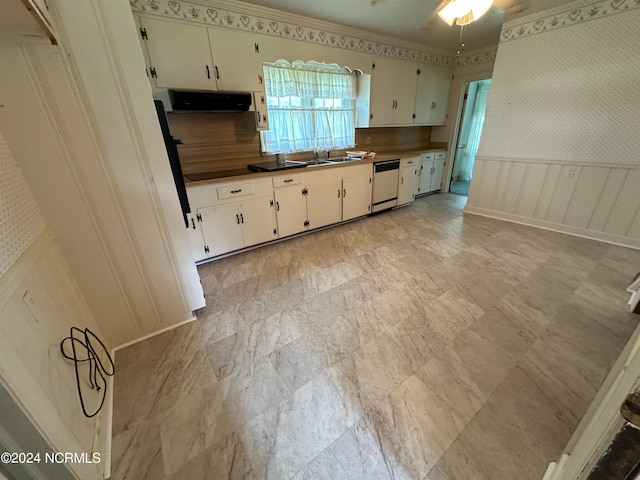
x=593 y=200
x=39 y=302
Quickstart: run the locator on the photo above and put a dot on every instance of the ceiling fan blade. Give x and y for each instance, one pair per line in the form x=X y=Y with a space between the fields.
x=433 y=18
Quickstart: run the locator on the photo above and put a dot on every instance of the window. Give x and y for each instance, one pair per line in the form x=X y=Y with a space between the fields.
x=311 y=107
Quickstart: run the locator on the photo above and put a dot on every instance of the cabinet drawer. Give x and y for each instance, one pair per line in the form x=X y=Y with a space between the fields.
x=409 y=161
x=232 y=191
x=428 y=156
x=287 y=180
x=440 y=154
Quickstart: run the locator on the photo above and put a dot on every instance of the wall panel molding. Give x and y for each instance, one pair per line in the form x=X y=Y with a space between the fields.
x=594 y=201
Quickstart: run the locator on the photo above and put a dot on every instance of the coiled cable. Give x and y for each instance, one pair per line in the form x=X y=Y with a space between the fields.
x=83 y=350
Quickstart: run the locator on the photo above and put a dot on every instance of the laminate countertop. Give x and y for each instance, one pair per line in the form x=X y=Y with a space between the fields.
x=220 y=176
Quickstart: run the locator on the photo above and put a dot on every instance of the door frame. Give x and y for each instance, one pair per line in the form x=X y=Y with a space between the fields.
x=456 y=101
x=462 y=103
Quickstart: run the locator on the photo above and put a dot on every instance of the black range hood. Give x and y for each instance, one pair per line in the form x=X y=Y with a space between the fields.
x=208 y=101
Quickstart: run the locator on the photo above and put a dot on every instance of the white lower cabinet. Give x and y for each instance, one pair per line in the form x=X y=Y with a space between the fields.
x=431 y=170
x=258 y=220
x=221 y=228
x=236 y=225
x=324 y=203
x=408 y=181
x=291 y=210
x=356 y=196
x=230 y=216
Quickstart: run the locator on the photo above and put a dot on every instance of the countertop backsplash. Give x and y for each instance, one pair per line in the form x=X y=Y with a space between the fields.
x=226 y=141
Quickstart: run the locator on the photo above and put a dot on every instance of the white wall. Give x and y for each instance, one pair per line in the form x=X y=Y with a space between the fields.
x=39 y=302
x=560 y=143
x=20 y=219
x=80 y=121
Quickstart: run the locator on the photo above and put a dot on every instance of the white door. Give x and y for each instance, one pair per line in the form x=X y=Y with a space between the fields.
x=179 y=54
x=436 y=176
x=324 y=203
x=258 y=220
x=291 y=210
x=408 y=184
x=356 y=196
x=221 y=228
x=237 y=60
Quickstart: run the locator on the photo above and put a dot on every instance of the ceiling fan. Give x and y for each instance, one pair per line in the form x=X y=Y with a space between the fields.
x=463 y=12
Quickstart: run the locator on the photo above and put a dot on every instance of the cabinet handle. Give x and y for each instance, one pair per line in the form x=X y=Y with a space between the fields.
x=193 y=224
x=344 y=192
x=217 y=72
x=241 y=218
x=338 y=193
x=237 y=219
x=208 y=73
x=402 y=181
x=236 y=191
x=288 y=180
x=277 y=206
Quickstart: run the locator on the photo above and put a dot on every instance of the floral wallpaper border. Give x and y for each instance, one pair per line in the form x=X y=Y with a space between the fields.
x=253 y=23
x=475 y=59
x=570 y=17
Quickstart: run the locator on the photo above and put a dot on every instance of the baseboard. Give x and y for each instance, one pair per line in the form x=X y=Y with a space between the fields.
x=153 y=334
x=557 y=227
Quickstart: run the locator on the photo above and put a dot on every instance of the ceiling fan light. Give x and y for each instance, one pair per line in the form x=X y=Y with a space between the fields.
x=463 y=12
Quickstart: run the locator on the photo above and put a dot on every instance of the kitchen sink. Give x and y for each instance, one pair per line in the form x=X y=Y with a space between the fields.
x=344 y=159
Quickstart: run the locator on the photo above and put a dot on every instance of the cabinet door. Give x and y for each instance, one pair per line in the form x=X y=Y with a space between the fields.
x=440 y=79
x=432 y=95
x=221 y=228
x=258 y=220
x=436 y=177
x=179 y=54
x=291 y=211
x=426 y=173
x=236 y=56
x=408 y=184
x=393 y=89
x=324 y=203
x=356 y=196
x=194 y=232
x=260 y=110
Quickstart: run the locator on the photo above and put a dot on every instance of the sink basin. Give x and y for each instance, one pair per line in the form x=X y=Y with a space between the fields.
x=344 y=159
x=311 y=163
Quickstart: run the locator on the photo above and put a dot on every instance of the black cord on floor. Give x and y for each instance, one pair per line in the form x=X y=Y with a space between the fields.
x=86 y=347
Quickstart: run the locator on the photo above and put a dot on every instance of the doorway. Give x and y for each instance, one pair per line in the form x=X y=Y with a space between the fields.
x=469 y=130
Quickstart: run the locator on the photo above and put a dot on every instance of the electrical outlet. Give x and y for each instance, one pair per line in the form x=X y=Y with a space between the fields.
x=367 y=140
x=571 y=172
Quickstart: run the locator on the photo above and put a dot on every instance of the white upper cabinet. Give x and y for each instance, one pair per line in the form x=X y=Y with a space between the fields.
x=393 y=89
x=432 y=94
x=179 y=54
x=237 y=60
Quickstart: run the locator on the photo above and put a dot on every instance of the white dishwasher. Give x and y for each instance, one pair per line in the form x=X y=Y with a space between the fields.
x=385 y=185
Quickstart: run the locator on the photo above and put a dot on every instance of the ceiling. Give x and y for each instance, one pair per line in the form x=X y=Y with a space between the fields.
x=405 y=19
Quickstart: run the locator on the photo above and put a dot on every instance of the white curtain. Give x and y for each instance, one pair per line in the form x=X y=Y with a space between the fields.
x=311 y=107
x=466 y=155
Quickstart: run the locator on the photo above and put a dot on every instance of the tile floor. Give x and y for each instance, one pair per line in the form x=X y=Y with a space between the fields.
x=417 y=344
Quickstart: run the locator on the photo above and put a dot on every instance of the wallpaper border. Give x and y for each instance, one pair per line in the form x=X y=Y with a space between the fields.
x=572 y=16
x=228 y=18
